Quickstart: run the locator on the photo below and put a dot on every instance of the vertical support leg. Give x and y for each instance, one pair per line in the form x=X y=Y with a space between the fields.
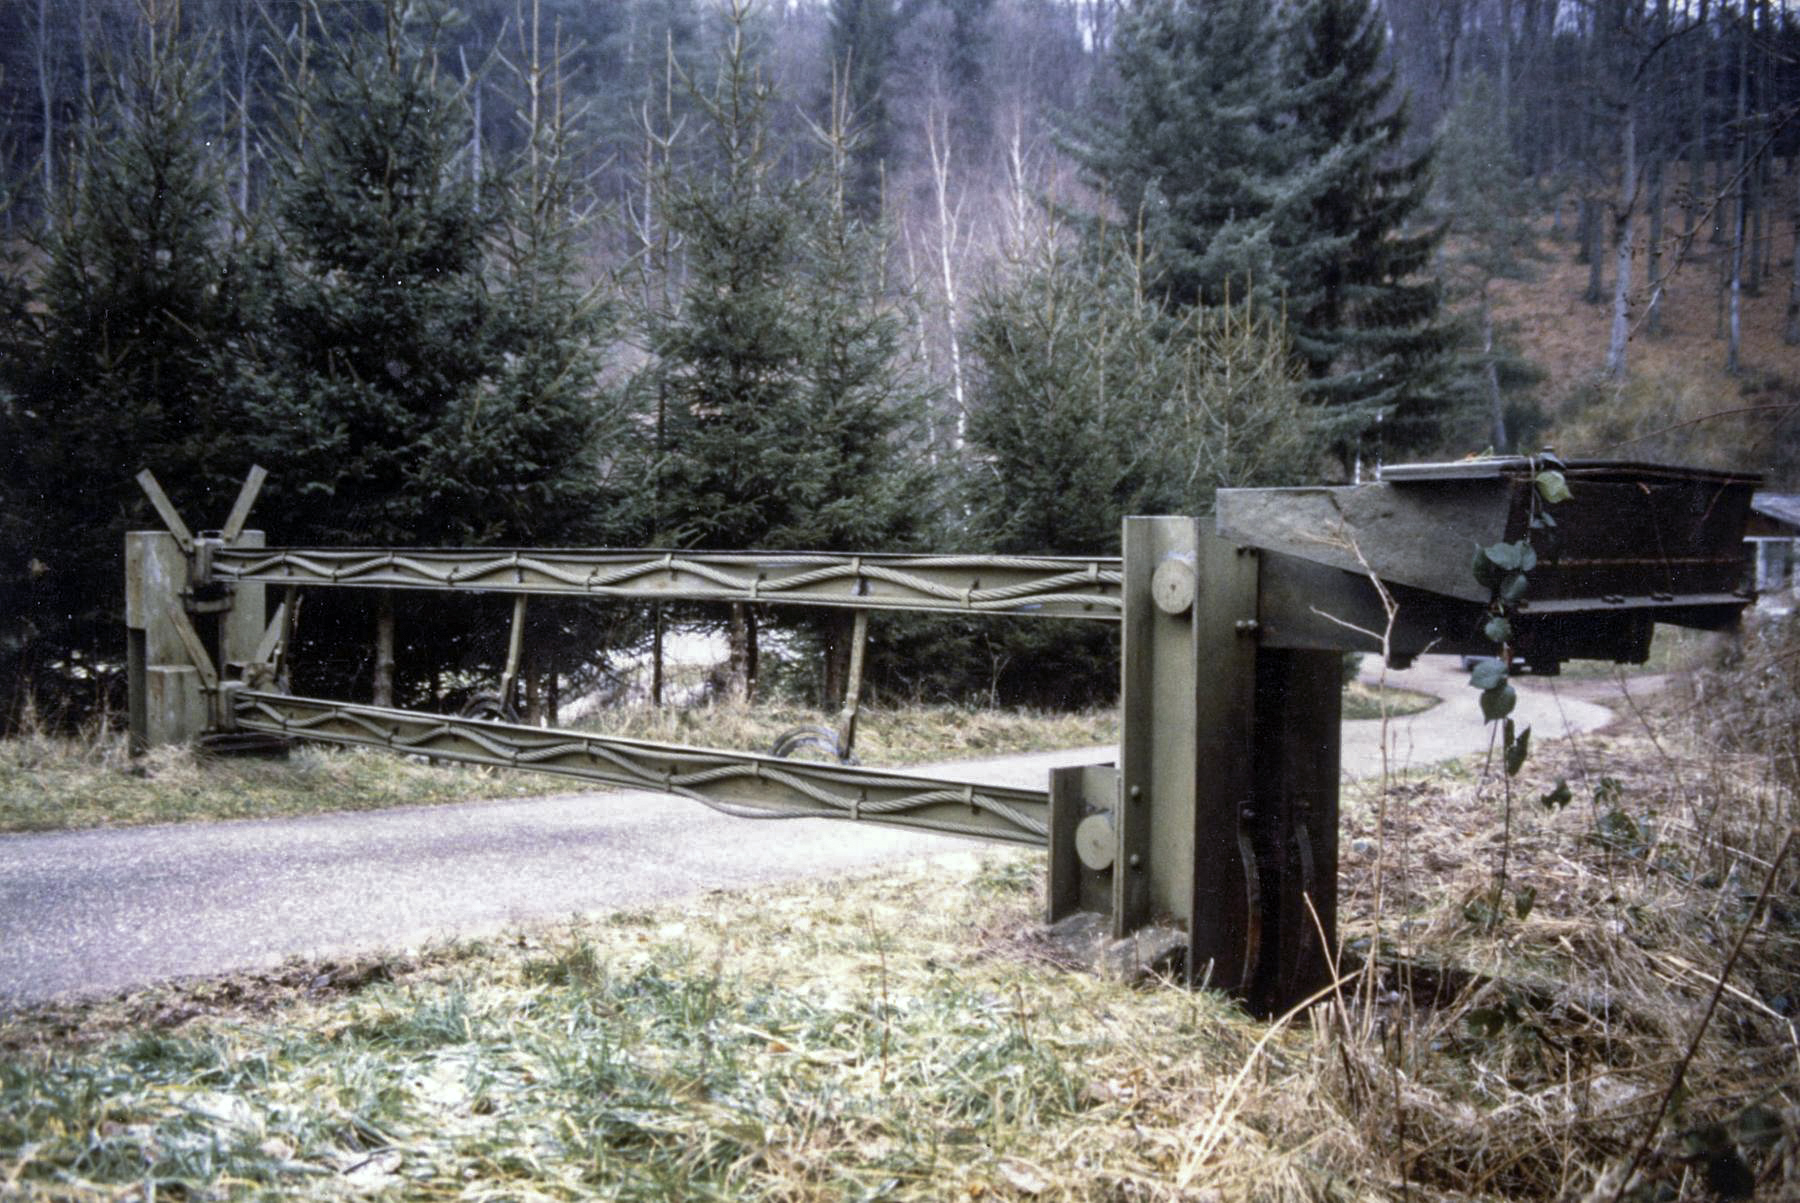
x=1188 y=669
x=167 y=704
x=859 y=640
x=515 y=649
x=1299 y=694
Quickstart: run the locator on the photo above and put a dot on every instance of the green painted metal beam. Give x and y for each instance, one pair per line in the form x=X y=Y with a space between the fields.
x=1049 y=587
x=739 y=783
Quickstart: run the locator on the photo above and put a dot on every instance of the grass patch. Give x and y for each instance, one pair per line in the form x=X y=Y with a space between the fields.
x=903 y=736
x=907 y=1036
x=1365 y=701
x=57 y=783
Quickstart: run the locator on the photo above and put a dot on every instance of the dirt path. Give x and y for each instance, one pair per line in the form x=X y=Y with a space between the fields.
x=94 y=912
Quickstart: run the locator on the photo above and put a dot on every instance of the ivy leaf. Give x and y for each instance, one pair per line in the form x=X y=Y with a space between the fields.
x=1497 y=629
x=1523 y=901
x=1552 y=486
x=1513 y=587
x=1498 y=702
x=1487 y=672
x=1527 y=557
x=1517 y=750
x=1542 y=521
x=1559 y=797
x=1505 y=556
x=1622 y=832
x=1487 y=573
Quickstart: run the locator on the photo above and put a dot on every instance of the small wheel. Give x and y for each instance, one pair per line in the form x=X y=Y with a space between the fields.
x=811 y=743
x=489 y=706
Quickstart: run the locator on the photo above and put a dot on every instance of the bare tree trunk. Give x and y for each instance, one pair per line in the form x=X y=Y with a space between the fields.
x=1491 y=371
x=740 y=686
x=1624 y=228
x=1506 y=41
x=47 y=95
x=384 y=649
x=1595 y=229
x=1697 y=106
x=1653 y=320
x=1791 y=335
x=656 y=655
x=1734 y=335
x=949 y=225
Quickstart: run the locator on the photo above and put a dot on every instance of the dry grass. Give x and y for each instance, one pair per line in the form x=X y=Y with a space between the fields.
x=901 y=736
x=907 y=1036
x=52 y=782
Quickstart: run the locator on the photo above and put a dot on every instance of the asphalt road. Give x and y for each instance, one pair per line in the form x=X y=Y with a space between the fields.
x=95 y=912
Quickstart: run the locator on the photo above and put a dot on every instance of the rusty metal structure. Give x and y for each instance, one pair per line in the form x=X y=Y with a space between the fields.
x=1219 y=814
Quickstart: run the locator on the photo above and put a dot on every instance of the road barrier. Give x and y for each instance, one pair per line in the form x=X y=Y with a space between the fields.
x=1219 y=815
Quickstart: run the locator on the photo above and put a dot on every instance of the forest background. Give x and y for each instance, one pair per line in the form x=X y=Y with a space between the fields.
x=861 y=275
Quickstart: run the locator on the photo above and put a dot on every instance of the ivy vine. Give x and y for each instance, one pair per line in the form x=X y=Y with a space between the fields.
x=1504 y=570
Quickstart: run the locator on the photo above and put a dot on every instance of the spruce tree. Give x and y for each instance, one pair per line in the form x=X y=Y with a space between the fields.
x=1096 y=399
x=1362 y=301
x=426 y=367
x=862 y=47
x=1259 y=150
x=1093 y=400
x=1191 y=140
x=429 y=369
x=780 y=368
x=1486 y=209
x=777 y=376
x=107 y=370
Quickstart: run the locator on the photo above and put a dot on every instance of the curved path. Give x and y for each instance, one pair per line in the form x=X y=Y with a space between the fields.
x=94 y=912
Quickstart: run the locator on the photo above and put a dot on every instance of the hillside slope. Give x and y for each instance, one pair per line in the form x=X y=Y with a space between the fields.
x=1669 y=405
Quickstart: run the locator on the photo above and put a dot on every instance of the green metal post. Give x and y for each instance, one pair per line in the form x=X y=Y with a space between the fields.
x=1188 y=691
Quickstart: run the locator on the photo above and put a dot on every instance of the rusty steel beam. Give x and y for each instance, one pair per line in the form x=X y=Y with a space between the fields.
x=1049 y=587
x=739 y=783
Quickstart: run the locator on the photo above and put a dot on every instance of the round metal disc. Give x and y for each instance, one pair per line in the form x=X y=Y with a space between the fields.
x=1172 y=585
x=1095 y=843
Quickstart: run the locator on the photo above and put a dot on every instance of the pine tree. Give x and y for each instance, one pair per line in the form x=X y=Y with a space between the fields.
x=1259 y=150
x=777 y=377
x=1192 y=142
x=862 y=46
x=1362 y=302
x=107 y=370
x=424 y=366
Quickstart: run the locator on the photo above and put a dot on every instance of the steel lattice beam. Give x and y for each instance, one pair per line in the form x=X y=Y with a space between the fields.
x=1050 y=587
x=740 y=783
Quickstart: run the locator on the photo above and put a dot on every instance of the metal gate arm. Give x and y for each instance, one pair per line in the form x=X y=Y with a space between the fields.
x=739 y=783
